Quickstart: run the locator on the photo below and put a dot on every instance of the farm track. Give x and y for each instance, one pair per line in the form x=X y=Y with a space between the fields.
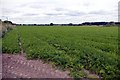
x=17 y=66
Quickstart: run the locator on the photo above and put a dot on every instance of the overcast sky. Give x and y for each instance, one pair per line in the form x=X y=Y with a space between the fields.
x=59 y=11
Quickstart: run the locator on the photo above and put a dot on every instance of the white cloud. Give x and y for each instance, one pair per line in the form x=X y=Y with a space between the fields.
x=59 y=11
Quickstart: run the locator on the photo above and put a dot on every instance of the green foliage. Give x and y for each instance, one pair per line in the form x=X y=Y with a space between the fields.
x=10 y=42
x=73 y=48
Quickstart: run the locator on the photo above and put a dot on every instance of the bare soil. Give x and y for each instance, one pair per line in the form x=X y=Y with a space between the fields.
x=17 y=66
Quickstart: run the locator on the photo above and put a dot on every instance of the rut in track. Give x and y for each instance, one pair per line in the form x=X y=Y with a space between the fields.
x=17 y=66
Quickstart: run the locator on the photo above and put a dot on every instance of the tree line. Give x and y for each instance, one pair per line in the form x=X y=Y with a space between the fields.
x=71 y=24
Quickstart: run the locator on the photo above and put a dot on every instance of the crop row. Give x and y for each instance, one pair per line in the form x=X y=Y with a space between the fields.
x=10 y=42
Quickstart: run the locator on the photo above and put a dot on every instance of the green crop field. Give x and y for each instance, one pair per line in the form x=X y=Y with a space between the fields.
x=72 y=48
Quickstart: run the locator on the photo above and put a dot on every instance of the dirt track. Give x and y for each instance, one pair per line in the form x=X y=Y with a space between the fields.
x=16 y=66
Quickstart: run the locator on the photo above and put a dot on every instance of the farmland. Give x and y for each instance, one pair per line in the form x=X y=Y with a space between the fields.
x=74 y=48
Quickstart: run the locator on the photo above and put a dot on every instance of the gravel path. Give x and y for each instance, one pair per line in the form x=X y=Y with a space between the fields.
x=17 y=66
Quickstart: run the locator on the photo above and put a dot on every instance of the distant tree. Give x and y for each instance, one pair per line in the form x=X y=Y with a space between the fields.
x=70 y=24
x=86 y=23
x=51 y=24
x=112 y=23
x=34 y=24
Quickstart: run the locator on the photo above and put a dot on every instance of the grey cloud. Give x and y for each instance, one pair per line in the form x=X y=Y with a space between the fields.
x=23 y=5
x=9 y=11
x=75 y=13
x=36 y=6
x=61 y=9
x=87 y=4
x=66 y=13
x=30 y=14
x=100 y=12
x=41 y=4
x=32 y=5
x=53 y=14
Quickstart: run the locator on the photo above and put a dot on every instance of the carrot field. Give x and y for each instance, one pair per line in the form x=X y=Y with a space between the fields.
x=72 y=48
